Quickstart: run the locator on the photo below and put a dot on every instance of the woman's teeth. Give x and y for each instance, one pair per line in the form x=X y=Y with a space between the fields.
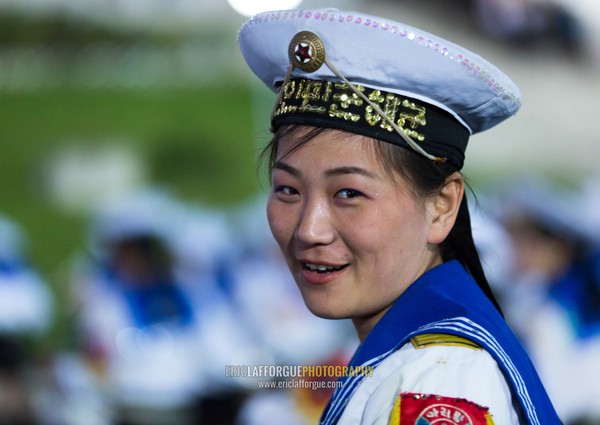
x=321 y=268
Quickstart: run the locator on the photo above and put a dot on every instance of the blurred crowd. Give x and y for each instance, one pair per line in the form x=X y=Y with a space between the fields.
x=541 y=244
x=167 y=294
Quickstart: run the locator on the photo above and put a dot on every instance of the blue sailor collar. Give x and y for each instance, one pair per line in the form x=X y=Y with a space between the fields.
x=446 y=299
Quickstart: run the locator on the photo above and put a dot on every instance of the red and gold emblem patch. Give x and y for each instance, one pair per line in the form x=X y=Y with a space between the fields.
x=430 y=409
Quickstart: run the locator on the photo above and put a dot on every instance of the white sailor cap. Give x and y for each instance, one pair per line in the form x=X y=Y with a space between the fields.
x=376 y=77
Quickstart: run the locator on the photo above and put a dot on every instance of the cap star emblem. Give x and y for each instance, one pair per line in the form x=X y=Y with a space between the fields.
x=303 y=52
x=306 y=51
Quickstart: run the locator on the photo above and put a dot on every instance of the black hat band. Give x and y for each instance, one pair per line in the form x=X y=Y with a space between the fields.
x=335 y=105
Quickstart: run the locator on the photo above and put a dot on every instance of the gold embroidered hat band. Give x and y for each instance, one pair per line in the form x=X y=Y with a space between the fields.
x=428 y=130
x=382 y=79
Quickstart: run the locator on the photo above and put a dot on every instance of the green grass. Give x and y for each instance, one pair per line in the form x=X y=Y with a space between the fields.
x=199 y=142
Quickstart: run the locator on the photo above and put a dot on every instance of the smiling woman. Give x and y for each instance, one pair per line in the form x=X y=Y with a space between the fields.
x=370 y=125
x=332 y=206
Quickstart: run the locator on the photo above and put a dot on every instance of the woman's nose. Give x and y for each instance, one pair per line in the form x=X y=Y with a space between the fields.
x=315 y=227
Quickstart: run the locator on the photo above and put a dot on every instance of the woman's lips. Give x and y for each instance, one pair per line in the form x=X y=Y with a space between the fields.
x=321 y=274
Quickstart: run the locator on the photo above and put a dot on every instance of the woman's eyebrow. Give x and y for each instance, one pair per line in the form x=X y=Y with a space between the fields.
x=337 y=171
x=349 y=170
x=287 y=168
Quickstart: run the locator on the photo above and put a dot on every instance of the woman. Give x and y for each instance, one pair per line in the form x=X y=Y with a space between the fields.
x=367 y=204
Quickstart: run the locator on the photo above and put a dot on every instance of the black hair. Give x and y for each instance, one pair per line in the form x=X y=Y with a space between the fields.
x=426 y=178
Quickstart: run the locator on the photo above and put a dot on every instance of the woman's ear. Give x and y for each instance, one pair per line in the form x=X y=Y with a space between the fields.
x=443 y=208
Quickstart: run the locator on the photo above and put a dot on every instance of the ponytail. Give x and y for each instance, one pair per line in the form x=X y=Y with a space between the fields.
x=459 y=245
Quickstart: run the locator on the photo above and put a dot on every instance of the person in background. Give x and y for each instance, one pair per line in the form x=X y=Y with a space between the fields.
x=367 y=204
x=26 y=315
x=552 y=291
x=153 y=326
x=531 y=23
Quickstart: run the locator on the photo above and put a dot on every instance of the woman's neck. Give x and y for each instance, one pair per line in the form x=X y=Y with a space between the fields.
x=364 y=324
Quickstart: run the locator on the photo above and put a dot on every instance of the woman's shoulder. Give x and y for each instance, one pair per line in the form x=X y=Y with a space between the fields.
x=436 y=370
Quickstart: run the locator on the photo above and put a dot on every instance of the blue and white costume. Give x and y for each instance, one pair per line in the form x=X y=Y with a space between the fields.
x=444 y=300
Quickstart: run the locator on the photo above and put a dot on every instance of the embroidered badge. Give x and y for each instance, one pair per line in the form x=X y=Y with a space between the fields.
x=430 y=409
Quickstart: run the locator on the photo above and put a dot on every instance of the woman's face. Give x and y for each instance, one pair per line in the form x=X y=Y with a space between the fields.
x=354 y=237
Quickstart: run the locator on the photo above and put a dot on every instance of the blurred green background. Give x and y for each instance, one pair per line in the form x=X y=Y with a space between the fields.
x=75 y=96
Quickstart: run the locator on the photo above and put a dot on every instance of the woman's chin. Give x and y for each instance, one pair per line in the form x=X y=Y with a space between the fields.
x=325 y=301
x=325 y=311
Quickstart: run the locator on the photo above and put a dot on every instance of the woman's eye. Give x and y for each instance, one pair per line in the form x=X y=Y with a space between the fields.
x=285 y=190
x=348 y=193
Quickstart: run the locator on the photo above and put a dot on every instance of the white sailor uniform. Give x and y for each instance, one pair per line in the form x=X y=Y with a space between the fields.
x=439 y=364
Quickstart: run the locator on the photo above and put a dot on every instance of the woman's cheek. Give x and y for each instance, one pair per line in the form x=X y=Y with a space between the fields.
x=278 y=223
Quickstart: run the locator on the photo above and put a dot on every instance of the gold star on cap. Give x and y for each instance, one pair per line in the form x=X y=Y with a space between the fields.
x=306 y=51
